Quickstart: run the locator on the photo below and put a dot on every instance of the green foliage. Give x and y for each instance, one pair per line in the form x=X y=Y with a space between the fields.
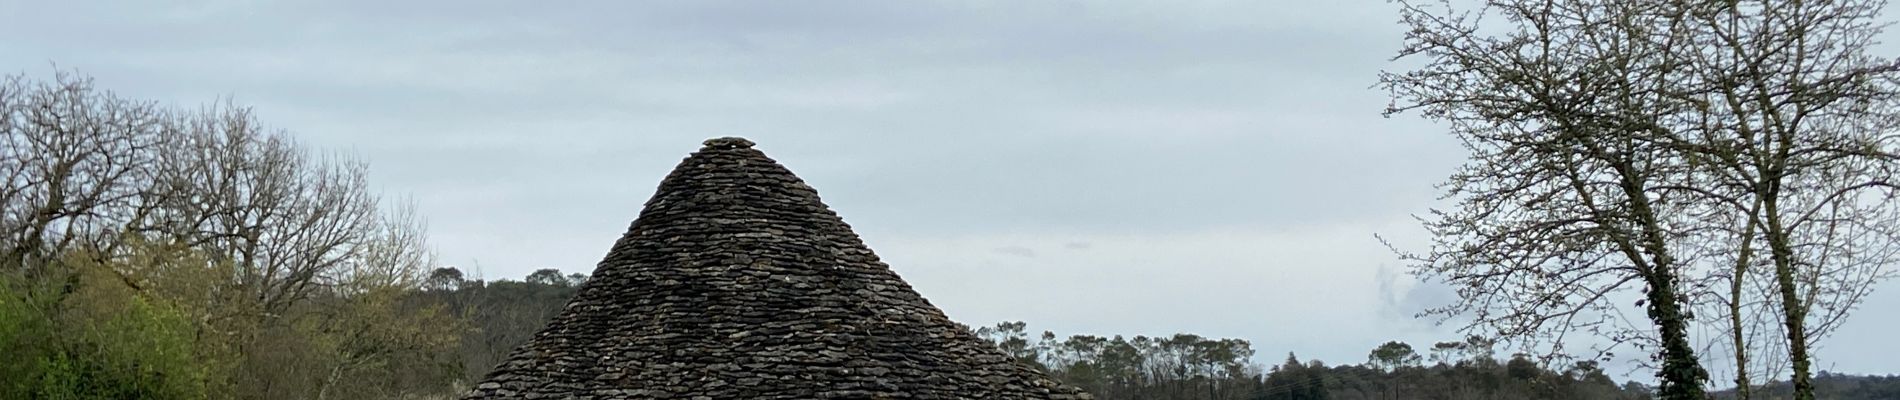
x=89 y=341
x=387 y=343
x=1393 y=355
x=553 y=277
x=26 y=337
x=1294 y=381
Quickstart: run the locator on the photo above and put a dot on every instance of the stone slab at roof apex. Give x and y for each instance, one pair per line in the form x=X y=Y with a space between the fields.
x=729 y=142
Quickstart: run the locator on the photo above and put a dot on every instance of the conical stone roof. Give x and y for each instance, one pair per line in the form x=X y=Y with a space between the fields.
x=736 y=282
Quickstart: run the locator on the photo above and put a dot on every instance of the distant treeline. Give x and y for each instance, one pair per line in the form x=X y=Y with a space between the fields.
x=1186 y=366
x=1191 y=367
x=1833 y=386
x=501 y=314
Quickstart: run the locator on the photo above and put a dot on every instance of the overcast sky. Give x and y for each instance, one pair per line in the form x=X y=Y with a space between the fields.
x=1098 y=167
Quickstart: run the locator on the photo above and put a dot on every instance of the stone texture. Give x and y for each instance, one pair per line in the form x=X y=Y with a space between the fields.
x=736 y=282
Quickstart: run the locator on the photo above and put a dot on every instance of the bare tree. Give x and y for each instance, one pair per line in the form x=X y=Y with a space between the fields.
x=73 y=162
x=284 y=218
x=1751 y=138
x=1797 y=139
x=1565 y=202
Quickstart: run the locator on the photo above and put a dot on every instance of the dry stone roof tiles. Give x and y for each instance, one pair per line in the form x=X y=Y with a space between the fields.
x=736 y=282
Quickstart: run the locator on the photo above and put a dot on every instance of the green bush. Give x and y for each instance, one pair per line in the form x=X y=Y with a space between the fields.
x=83 y=341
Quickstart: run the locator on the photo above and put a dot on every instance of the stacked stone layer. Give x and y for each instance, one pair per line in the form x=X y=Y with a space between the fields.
x=736 y=282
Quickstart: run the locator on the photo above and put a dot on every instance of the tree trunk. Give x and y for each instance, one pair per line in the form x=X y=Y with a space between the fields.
x=1737 y=335
x=1794 y=315
x=1681 y=375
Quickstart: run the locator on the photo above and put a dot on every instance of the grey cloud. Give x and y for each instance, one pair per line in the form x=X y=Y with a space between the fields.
x=1069 y=116
x=1017 y=251
x=1402 y=298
